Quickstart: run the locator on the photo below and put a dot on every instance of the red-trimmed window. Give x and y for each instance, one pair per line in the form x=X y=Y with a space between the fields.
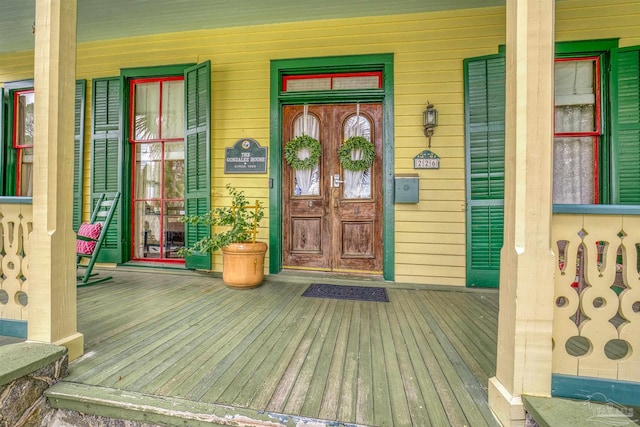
x=333 y=81
x=578 y=131
x=156 y=126
x=23 y=127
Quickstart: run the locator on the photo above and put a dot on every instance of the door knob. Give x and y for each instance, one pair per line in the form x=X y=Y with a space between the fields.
x=336 y=180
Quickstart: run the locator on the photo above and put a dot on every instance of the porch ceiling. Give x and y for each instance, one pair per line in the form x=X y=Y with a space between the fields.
x=103 y=20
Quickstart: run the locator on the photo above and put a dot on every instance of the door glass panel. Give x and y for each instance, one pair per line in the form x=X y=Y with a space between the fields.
x=148 y=171
x=307 y=181
x=357 y=184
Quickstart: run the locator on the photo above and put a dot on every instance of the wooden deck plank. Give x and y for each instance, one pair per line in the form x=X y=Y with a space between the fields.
x=194 y=351
x=290 y=376
x=364 y=394
x=471 y=341
x=382 y=413
x=261 y=384
x=411 y=362
x=441 y=404
x=245 y=358
x=178 y=354
x=350 y=374
x=330 y=402
x=393 y=349
x=405 y=351
x=300 y=389
x=318 y=385
x=468 y=391
x=233 y=341
x=135 y=341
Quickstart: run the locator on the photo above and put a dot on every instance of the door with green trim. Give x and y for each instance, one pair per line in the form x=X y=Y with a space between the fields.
x=333 y=214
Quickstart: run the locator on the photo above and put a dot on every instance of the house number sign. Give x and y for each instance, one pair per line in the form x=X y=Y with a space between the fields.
x=426 y=160
x=245 y=156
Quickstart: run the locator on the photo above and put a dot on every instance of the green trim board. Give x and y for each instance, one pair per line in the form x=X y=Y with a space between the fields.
x=278 y=98
x=13 y=328
x=596 y=389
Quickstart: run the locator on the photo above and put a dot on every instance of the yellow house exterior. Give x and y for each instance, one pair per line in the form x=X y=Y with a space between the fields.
x=428 y=238
x=428 y=52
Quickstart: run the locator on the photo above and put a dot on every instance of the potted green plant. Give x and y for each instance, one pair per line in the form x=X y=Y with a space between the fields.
x=242 y=256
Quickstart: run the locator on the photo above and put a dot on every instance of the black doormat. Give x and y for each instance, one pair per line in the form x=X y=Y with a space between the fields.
x=358 y=293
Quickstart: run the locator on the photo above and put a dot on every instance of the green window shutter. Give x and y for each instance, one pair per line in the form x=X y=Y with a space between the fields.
x=3 y=139
x=626 y=157
x=197 y=154
x=484 y=146
x=106 y=142
x=78 y=153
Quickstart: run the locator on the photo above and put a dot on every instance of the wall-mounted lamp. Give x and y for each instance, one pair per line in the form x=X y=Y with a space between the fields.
x=429 y=121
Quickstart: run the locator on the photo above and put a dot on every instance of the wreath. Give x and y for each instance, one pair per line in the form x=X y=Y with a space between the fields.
x=295 y=145
x=357 y=143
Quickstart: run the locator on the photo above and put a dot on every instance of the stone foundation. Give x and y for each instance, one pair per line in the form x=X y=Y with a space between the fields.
x=27 y=370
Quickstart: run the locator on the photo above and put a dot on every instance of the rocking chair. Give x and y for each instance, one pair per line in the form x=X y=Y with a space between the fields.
x=91 y=235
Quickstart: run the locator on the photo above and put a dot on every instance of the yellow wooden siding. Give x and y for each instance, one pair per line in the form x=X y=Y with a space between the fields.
x=428 y=52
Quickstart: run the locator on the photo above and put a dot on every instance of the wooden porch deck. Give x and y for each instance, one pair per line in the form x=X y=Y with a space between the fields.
x=422 y=359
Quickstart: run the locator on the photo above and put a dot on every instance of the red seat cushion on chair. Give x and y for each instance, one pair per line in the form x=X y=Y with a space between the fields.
x=91 y=231
x=85 y=247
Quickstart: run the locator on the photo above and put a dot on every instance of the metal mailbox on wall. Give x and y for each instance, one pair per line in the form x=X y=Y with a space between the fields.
x=407 y=188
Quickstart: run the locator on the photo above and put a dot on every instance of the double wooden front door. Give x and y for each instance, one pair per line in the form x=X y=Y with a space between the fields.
x=332 y=216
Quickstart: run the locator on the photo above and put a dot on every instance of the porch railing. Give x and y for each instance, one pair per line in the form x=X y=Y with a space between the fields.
x=596 y=326
x=16 y=222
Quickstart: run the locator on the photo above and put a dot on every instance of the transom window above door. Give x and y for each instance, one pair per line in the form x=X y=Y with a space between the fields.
x=333 y=81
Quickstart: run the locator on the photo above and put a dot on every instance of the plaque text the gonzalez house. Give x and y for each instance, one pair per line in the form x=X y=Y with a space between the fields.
x=245 y=156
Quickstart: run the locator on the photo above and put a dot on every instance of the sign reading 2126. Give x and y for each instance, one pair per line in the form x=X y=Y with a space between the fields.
x=246 y=156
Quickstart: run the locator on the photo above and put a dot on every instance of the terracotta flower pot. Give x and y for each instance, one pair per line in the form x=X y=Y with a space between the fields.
x=243 y=264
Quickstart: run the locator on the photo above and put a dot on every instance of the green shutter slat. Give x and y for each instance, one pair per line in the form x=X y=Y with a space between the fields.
x=485 y=138
x=627 y=138
x=106 y=146
x=197 y=146
x=78 y=153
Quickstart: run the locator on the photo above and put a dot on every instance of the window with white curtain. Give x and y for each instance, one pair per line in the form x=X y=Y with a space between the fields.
x=23 y=140
x=577 y=131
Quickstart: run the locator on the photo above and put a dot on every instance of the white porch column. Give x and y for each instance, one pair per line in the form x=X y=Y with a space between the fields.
x=52 y=262
x=526 y=265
